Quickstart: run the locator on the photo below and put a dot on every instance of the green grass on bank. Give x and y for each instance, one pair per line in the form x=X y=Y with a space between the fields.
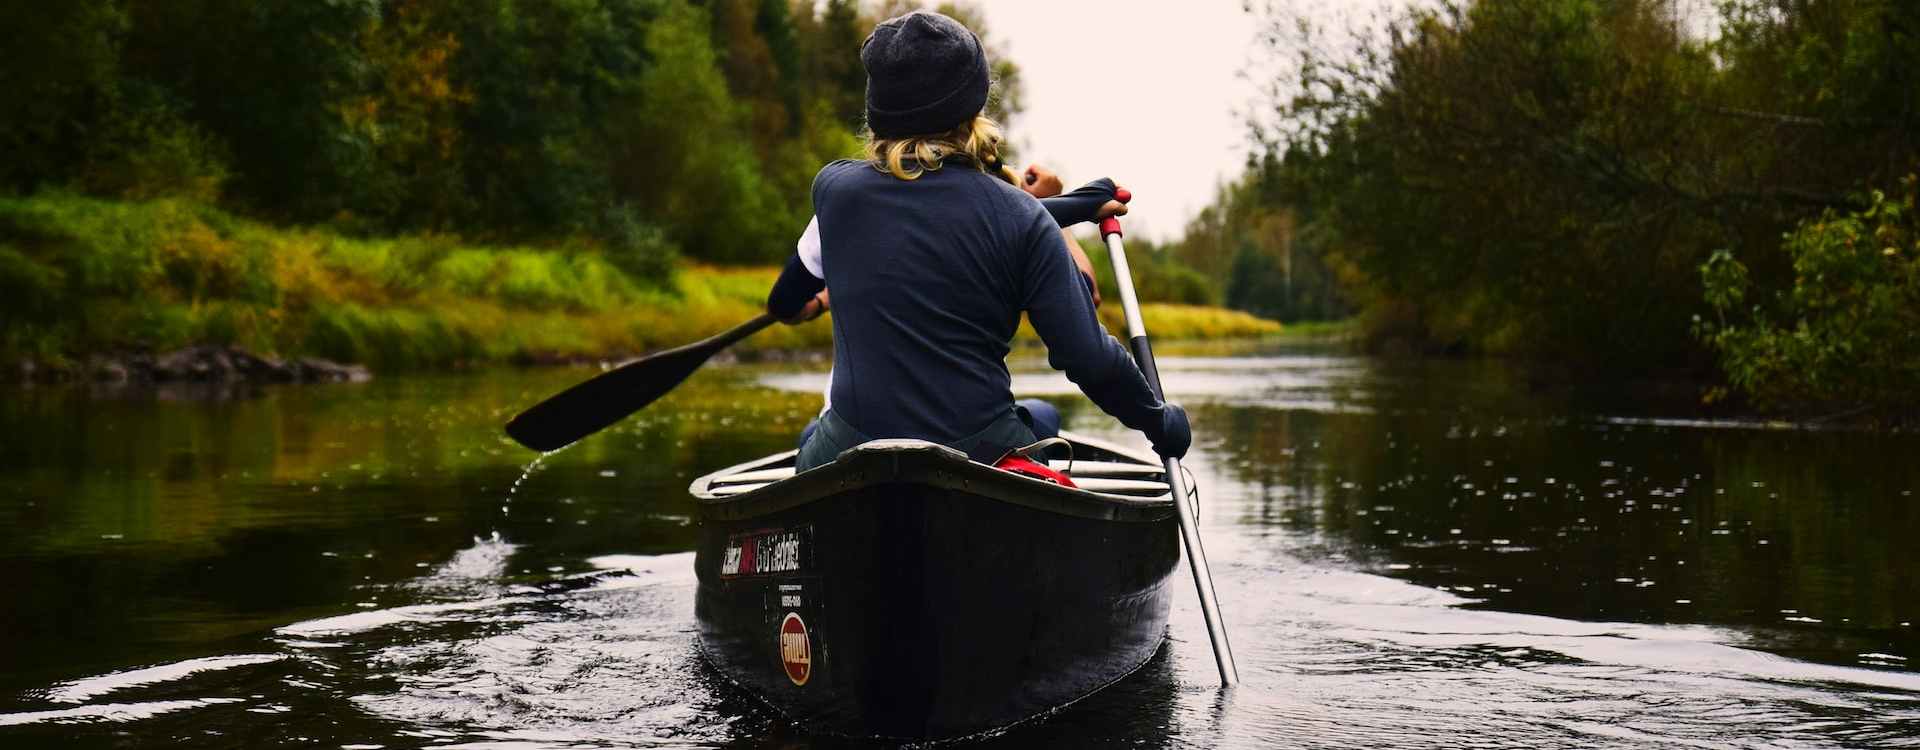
x=1183 y=322
x=1173 y=322
x=1323 y=330
x=81 y=275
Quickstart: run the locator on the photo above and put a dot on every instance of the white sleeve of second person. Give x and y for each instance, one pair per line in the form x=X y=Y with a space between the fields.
x=809 y=249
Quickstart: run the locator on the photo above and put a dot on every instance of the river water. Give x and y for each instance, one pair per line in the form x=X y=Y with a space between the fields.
x=1409 y=554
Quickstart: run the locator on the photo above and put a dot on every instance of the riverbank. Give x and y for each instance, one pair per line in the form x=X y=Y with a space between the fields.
x=83 y=279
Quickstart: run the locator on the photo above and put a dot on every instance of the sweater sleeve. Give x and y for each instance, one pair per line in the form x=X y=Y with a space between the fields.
x=1061 y=310
x=803 y=277
x=1080 y=205
x=793 y=289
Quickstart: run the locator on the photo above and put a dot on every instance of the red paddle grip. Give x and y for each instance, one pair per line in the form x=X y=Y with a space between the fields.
x=1110 y=226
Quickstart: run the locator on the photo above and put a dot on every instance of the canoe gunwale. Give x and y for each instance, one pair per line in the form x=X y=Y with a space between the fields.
x=917 y=462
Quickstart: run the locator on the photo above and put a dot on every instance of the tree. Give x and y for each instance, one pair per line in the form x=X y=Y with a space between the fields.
x=60 y=75
x=699 y=182
x=411 y=114
x=1847 y=331
x=829 y=47
x=1251 y=238
x=275 y=102
x=1528 y=177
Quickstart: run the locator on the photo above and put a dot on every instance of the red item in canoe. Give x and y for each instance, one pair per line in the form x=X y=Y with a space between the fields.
x=1024 y=466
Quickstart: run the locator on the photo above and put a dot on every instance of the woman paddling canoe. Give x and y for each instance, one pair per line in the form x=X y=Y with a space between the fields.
x=931 y=267
x=1091 y=202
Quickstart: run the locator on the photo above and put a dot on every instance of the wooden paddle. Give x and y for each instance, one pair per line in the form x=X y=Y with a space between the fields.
x=607 y=398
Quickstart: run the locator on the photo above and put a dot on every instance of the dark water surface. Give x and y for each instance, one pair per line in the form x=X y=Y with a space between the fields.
x=1409 y=554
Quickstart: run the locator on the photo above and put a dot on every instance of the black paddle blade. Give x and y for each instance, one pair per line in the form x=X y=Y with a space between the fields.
x=591 y=406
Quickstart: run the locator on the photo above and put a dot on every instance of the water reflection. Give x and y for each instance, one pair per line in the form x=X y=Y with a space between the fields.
x=1794 y=536
x=1410 y=555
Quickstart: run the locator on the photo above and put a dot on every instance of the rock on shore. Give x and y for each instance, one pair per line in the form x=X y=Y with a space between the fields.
x=194 y=364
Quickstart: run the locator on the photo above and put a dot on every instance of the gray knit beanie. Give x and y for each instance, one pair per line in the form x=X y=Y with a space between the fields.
x=926 y=73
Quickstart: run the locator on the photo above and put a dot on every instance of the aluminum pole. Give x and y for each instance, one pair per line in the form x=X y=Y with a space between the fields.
x=1176 y=479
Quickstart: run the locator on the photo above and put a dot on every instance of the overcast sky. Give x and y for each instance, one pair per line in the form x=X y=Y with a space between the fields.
x=1144 y=92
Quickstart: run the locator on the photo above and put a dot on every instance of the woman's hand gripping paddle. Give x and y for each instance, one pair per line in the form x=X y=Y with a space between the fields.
x=591 y=406
x=1176 y=480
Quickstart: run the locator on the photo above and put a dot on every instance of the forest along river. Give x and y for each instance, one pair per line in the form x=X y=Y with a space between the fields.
x=1412 y=554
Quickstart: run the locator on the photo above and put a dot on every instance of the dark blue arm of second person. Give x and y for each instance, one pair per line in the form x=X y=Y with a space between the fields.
x=791 y=292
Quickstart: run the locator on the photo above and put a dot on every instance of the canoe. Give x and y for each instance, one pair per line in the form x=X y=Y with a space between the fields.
x=904 y=592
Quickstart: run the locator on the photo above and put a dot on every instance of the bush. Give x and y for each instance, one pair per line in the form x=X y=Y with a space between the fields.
x=1157 y=275
x=32 y=291
x=639 y=248
x=147 y=149
x=1848 y=330
x=81 y=275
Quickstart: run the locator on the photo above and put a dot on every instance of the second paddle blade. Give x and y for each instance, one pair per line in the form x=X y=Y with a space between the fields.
x=593 y=405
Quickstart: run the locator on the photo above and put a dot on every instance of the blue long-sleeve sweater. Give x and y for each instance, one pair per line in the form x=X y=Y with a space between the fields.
x=929 y=278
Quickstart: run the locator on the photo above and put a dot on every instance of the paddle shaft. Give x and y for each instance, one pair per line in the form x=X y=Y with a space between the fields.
x=607 y=398
x=728 y=337
x=1176 y=479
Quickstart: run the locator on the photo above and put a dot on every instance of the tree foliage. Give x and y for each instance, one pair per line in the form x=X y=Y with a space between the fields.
x=1158 y=275
x=1545 y=177
x=654 y=127
x=1256 y=247
x=1847 y=330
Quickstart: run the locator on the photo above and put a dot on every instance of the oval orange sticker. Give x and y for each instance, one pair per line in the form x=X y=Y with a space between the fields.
x=796 y=654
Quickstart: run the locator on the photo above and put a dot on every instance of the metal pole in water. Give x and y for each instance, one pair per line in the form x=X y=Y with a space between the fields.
x=1176 y=479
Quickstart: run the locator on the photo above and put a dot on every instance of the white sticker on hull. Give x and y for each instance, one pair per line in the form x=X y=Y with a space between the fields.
x=767 y=552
